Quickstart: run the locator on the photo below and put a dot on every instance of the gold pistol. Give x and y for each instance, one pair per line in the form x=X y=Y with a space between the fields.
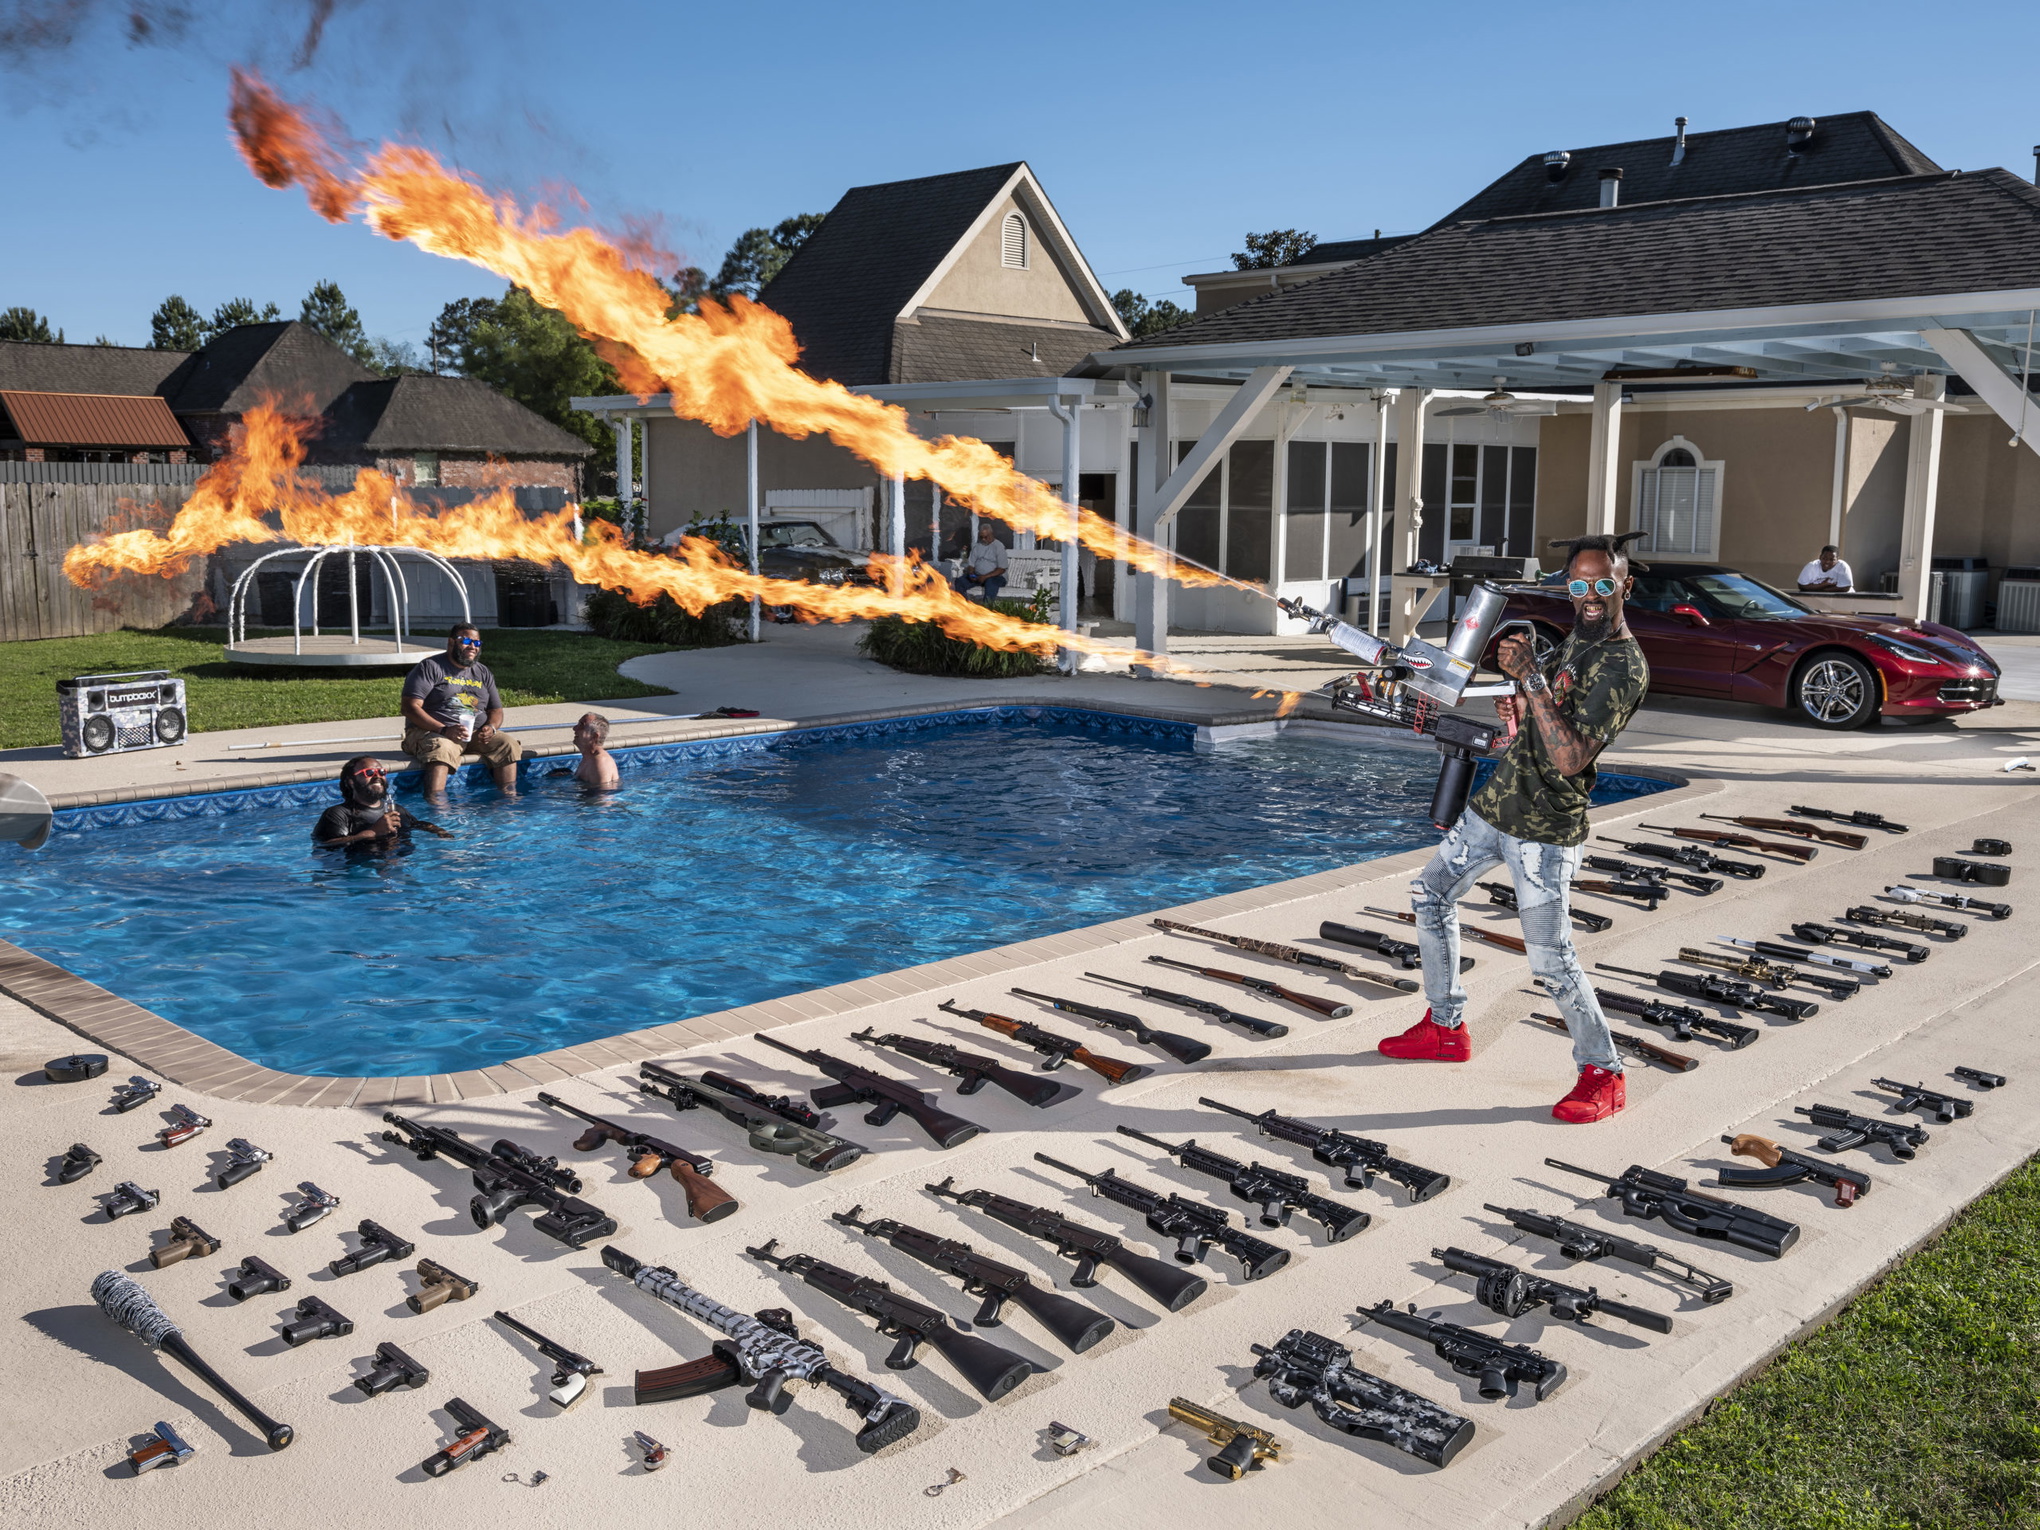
x=1242 y=1447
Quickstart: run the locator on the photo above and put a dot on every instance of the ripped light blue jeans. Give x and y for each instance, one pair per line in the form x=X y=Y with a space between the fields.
x=1542 y=875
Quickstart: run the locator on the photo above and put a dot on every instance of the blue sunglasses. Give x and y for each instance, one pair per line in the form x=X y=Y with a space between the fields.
x=1579 y=587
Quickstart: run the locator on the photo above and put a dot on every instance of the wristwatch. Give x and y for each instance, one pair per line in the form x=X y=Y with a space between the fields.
x=1534 y=683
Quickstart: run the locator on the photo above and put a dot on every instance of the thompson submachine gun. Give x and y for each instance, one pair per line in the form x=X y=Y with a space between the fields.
x=706 y=1200
x=1501 y=895
x=1942 y=1107
x=1193 y=1227
x=1496 y=938
x=1690 y=856
x=1575 y=1240
x=1270 y=1029
x=974 y=1068
x=1842 y=837
x=1862 y=940
x=1784 y=953
x=1500 y=1368
x=1291 y=954
x=1509 y=1292
x=1246 y=1447
x=1358 y=1159
x=1646 y=1193
x=1800 y=853
x=991 y=1370
x=1635 y=871
x=1175 y=1289
x=1077 y=1327
x=1861 y=819
x=1728 y=991
x=1682 y=1020
x=1182 y=1048
x=1905 y=919
x=508 y=1176
x=771 y=1123
x=1275 y=1192
x=1304 y=1367
x=1848 y=1130
x=1758 y=969
x=766 y=1350
x=887 y=1097
x=1782 y=1166
x=570 y=1370
x=1057 y=1049
x=1635 y=1046
x=1331 y=1009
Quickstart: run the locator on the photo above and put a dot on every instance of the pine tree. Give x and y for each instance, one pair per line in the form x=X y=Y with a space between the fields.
x=27 y=324
x=176 y=326
x=240 y=310
x=326 y=309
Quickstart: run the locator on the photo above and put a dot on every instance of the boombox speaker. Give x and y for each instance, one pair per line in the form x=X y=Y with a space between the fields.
x=108 y=714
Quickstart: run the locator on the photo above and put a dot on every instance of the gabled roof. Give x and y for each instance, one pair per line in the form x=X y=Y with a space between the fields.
x=92 y=419
x=288 y=361
x=942 y=348
x=1856 y=146
x=879 y=253
x=449 y=414
x=86 y=368
x=1909 y=236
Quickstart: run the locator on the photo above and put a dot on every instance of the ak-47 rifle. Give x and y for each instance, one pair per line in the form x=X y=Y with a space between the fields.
x=1183 y=1049
x=508 y=1176
x=1276 y=1192
x=773 y=1123
x=1646 y=1193
x=1057 y=1049
x=1847 y=1130
x=1635 y=871
x=974 y=1068
x=1194 y=1227
x=1759 y=970
x=1249 y=1023
x=1682 y=1020
x=1801 y=853
x=1782 y=1166
x=1291 y=954
x=1358 y=1159
x=1331 y=1009
x=1495 y=938
x=1840 y=837
x=1175 y=1289
x=887 y=1097
x=706 y=1201
x=1691 y=856
x=1501 y=895
x=1635 y=1046
x=1860 y=818
x=1728 y=991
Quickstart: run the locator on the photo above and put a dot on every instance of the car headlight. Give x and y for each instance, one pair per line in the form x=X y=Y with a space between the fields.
x=1907 y=652
x=832 y=575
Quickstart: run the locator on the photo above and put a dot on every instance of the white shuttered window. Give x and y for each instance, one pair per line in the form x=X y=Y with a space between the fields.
x=1013 y=242
x=1676 y=501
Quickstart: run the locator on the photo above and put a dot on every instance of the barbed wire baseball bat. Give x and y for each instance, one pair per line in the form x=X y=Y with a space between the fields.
x=123 y=1299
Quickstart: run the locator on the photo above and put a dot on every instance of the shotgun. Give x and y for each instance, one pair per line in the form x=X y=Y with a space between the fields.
x=706 y=1201
x=1331 y=1009
x=1495 y=938
x=1636 y=1046
x=1057 y=1049
x=1249 y=1023
x=1800 y=853
x=1782 y=1166
x=1840 y=837
x=1281 y=953
x=974 y=1068
x=1860 y=818
x=1182 y=1048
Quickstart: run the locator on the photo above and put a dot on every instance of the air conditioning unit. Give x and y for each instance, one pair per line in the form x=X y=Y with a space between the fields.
x=111 y=714
x=2018 y=605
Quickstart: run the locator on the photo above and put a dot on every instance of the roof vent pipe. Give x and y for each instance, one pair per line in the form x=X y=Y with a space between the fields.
x=2036 y=164
x=1611 y=186
x=1798 y=134
x=1556 y=164
x=1679 y=143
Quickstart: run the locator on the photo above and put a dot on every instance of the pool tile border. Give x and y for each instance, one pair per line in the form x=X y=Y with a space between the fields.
x=182 y=1057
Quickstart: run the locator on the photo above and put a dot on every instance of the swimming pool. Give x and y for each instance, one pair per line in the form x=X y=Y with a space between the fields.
x=714 y=879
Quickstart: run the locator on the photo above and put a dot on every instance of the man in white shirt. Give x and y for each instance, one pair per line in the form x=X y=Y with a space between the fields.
x=1826 y=575
x=986 y=566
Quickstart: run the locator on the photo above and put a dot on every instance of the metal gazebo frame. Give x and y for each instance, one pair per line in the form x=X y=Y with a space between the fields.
x=384 y=558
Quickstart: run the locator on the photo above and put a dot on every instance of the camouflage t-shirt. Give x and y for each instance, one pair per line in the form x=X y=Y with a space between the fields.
x=1597 y=686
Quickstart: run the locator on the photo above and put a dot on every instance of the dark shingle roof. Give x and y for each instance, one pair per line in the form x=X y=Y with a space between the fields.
x=842 y=289
x=934 y=348
x=1906 y=237
x=1327 y=251
x=290 y=362
x=448 y=414
x=1856 y=146
x=85 y=368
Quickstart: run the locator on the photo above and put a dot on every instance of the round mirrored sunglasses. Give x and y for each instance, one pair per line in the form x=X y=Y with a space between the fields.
x=1578 y=587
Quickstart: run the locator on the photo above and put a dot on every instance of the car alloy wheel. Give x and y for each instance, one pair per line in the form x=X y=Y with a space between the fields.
x=1837 y=690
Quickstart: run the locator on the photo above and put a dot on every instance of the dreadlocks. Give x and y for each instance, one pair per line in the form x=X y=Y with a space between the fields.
x=1612 y=545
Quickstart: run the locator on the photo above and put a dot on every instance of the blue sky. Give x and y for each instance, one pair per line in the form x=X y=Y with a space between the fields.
x=1163 y=136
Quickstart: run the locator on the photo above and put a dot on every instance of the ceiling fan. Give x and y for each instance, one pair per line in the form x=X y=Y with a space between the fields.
x=1501 y=401
x=1890 y=392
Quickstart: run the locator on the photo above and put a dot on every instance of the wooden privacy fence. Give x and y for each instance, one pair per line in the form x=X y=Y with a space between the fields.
x=40 y=522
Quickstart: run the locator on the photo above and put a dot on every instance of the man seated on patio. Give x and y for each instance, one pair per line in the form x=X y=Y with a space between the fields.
x=452 y=708
x=598 y=765
x=1826 y=575
x=985 y=566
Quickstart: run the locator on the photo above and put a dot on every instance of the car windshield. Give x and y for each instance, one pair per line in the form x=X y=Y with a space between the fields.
x=794 y=534
x=1740 y=596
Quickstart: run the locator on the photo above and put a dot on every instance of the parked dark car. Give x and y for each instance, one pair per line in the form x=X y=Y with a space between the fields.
x=804 y=550
x=1708 y=630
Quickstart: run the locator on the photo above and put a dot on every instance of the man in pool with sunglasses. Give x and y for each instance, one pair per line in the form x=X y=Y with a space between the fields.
x=365 y=817
x=1531 y=816
x=452 y=709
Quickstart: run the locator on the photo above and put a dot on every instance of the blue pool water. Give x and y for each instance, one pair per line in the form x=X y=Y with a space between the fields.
x=702 y=885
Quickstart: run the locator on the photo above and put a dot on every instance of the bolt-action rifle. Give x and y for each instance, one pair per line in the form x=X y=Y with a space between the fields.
x=1577 y=1241
x=1728 y=991
x=887 y=1097
x=1635 y=1046
x=1942 y=1107
x=1495 y=938
x=1291 y=954
x=1842 y=837
x=1275 y=1192
x=1183 y=1048
x=1800 y=853
x=508 y=1176
x=1501 y=895
x=772 y=1123
x=1646 y=1193
x=1358 y=1159
x=1509 y=1292
x=1782 y=1166
x=1175 y=1289
x=1331 y=1009
x=1634 y=871
x=974 y=1068
x=1193 y=1227
x=1304 y=1367
x=1057 y=1049
x=1271 y=1029
x=1848 y=1130
x=1860 y=818
x=1862 y=940
x=1682 y=1020
x=1501 y=1368
x=1691 y=856
x=706 y=1200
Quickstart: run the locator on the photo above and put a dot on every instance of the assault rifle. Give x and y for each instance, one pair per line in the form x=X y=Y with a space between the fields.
x=1800 y=853
x=1646 y=1193
x=1175 y=1289
x=1785 y=953
x=1682 y=1020
x=974 y=1068
x=1942 y=1107
x=766 y=1350
x=1290 y=954
x=1194 y=1228
x=1494 y=938
x=1847 y=1130
x=1860 y=818
x=1078 y=1327
x=1271 y=1029
x=1304 y=1367
x=1782 y=1166
x=1331 y=1009
x=1727 y=991
x=887 y=1097
x=1057 y=1049
x=1577 y=1241
x=1275 y=1192
x=1501 y=895
x=1509 y=1292
x=1635 y=1046
x=772 y=1123
x=1842 y=837
x=1359 y=1159
x=706 y=1201
x=992 y=1371
x=1633 y=871
x=1691 y=856
x=1862 y=940
x=1759 y=970
x=1182 y=1048
x=1501 y=1368
x=1963 y=901
x=1888 y=918
x=508 y=1176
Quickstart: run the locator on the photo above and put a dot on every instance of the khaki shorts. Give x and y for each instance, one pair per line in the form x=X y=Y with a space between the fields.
x=437 y=749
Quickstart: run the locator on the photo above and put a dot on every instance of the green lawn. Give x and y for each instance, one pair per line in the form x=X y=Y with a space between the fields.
x=1917 y=1408
x=530 y=667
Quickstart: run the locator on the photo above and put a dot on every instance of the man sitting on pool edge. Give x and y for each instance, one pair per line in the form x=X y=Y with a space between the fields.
x=452 y=708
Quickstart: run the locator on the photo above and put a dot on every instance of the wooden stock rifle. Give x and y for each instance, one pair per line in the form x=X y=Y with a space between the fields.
x=1842 y=837
x=1801 y=853
x=1292 y=954
x=1467 y=931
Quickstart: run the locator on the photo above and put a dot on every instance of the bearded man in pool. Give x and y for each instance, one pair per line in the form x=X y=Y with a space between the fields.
x=366 y=816
x=1532 y=817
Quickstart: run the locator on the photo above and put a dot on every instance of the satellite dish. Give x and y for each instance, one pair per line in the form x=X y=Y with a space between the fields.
x=24 y=813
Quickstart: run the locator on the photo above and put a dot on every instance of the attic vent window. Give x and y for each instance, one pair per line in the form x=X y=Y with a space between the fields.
x=1013 y=242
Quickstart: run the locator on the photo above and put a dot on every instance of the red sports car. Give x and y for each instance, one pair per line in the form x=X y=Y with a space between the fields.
x=1711 y=631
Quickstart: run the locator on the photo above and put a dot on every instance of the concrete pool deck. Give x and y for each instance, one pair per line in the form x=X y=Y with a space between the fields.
x=91 y=1386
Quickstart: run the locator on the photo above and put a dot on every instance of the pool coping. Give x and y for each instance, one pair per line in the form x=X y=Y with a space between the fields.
x=183 y=1057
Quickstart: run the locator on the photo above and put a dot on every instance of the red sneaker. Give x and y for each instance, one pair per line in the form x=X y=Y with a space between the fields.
x=1427 y=1041
x=1596 y=1097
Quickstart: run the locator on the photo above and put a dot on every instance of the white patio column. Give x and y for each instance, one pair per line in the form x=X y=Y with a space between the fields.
x=1071 y=412
x=1151 y=592
x=897 y=534
x=1406 y=516
x=751 y=510
x=626 y=501
x=1604 y=450
x=1840 y=490
x=1377 y=493
x=1922 y=484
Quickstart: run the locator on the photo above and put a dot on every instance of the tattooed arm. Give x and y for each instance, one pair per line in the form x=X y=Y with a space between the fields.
x=1571 y=751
